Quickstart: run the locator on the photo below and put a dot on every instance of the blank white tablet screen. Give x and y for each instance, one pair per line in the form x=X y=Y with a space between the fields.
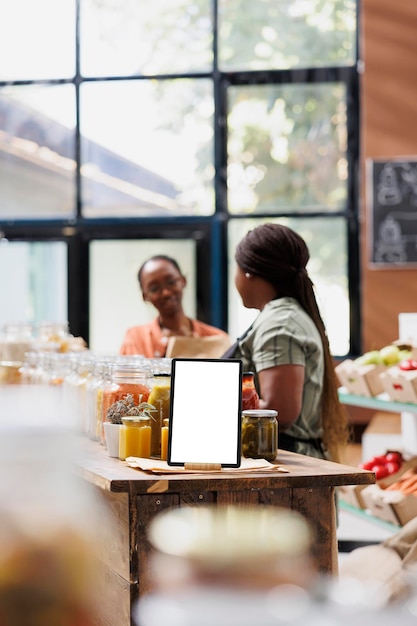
x=205 y=412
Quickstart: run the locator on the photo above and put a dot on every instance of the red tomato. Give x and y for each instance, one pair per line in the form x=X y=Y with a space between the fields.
x=380 y=471
x=396 y=457
x=392 y=467
x=378 y=460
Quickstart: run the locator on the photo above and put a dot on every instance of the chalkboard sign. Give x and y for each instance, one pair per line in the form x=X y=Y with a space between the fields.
x=393 y=204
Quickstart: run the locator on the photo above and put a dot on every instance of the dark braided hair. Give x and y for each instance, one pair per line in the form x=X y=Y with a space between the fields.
x=279 y=255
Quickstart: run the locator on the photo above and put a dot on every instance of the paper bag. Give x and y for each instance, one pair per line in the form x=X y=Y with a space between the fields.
x=212 y=347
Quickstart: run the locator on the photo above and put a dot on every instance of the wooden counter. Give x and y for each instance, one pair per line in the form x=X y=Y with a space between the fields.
x=130 y=498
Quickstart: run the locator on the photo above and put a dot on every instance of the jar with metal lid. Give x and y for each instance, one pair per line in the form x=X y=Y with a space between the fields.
x=135 y=437
x=260 y=434
x=159 y=397
x=250 y=398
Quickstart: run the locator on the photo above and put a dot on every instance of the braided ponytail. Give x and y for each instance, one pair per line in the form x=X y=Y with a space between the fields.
x=279 y=255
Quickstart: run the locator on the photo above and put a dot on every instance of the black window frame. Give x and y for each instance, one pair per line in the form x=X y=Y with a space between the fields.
x=210 y=233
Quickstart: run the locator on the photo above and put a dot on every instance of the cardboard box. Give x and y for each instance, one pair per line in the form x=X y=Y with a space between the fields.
x=400 y=385
x=382 y=433
x=352 y=494
x=360 y=380
x=391 y=506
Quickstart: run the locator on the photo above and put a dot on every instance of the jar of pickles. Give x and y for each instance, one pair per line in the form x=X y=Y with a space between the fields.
x=250 y=398
x=159 y=397
x=260 y=434
x=135 y=437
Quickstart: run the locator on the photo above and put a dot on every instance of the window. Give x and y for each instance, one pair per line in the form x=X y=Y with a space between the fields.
x=129 y=123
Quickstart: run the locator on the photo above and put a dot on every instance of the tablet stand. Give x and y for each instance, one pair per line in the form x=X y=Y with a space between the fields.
x=203 y=467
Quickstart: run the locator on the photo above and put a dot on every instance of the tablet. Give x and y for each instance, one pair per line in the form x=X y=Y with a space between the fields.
x=205 y=412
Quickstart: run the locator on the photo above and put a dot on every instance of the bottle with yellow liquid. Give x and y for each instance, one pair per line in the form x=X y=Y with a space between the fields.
x=159 y=397
x=135 y=437
x=164 y=439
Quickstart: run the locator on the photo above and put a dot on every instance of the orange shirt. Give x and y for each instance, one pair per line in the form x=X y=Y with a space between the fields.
x=149 y=341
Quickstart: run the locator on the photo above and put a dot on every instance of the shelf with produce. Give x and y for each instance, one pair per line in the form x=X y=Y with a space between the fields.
x=379 y=403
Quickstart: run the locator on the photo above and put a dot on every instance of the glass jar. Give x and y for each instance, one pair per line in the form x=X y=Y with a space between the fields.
x=95 y=397
x=260 y=434
x=48 y=551
x=53 y=336
x=15 y=340
x=75 y=385
x=135 y=437
x=124 y=378
x=164 y=439
x=250 y=398
x=159 y=397
x=233 y=546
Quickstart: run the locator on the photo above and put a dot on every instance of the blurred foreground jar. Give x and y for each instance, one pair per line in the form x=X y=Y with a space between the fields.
x=207 y=560
x=234 y=546
x=48 y=555
x=260 y=434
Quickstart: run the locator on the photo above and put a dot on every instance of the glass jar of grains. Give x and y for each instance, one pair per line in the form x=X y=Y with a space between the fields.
x=126 y=382
x=260 y=434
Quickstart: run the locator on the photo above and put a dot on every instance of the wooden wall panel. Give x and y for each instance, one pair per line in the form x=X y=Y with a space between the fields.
x=389 y=129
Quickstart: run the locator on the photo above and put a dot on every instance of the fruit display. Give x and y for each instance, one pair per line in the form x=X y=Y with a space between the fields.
x=400 y=381
x=365 y=375
x=388 y=355
x=385 y=464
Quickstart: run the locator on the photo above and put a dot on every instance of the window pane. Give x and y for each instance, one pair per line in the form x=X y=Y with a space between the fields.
x=37 y=39
x=141 y=37
x=34 y=277
x=285 y=34
x=147 y=148
x=114 y=286
x=287 y=148
x=37 y=152
x=326 y=240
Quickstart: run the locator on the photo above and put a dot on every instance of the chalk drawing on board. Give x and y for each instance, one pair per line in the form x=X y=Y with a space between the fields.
x=394 y=212
x=388 y=187
x=390 y=246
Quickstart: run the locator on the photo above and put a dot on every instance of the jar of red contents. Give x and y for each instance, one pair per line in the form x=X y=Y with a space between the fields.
x=124 y=379
x=250 y=398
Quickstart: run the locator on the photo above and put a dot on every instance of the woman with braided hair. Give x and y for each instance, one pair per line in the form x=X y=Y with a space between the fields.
x=287 y=346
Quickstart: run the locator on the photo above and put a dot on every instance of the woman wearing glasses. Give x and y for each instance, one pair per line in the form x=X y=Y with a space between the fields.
x=162 y=284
